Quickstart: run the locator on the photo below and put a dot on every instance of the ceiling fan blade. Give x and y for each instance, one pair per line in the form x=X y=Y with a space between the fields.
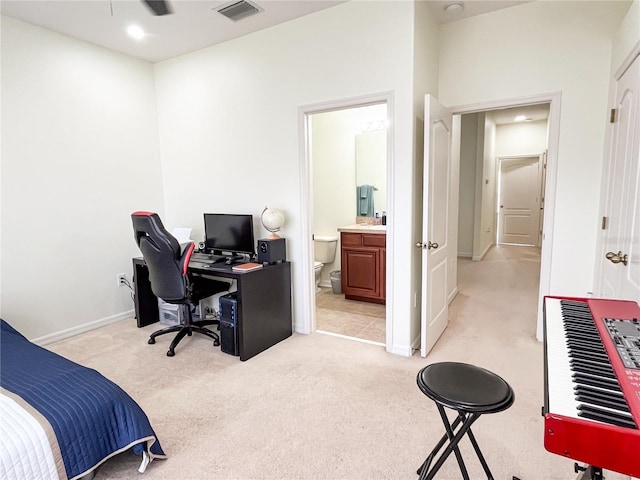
x=159 y=7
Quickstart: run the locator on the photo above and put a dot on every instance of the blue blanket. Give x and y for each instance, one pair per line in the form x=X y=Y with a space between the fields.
x=92 y=417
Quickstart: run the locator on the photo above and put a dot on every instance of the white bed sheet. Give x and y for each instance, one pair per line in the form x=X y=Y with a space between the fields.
x=28 y=447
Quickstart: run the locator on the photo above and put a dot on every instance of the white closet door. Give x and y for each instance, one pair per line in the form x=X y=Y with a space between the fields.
x=620 y=253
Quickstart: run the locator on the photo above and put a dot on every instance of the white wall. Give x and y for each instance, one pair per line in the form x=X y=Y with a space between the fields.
x=526 y=138
x=484 y=234
x=477 y=197
x=334 y=177
x=334 y=171
x=468 y=153
x=626 y=37
x=425 y=42
x=228 y=117
x=79 y=155
x=533 y=49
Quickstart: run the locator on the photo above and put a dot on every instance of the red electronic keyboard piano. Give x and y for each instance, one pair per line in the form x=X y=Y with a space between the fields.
x=592 y=382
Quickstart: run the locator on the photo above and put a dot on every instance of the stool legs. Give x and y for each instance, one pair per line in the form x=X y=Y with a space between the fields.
x=427 y=463
x=480 y=456
x=465 y=429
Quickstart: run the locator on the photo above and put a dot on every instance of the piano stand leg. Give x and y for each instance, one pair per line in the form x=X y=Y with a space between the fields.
x=588 y=472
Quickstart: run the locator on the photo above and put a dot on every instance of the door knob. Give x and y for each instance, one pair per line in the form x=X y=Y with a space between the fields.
x=617 y=257
x=427 y=246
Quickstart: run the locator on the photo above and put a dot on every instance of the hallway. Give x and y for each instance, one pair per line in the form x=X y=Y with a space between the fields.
x=503 y=286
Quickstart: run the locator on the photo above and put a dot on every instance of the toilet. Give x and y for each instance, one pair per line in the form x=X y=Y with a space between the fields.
x=324 y=252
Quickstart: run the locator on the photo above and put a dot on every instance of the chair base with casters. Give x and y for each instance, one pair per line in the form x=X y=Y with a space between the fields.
x=186 y=329
x=471 y=392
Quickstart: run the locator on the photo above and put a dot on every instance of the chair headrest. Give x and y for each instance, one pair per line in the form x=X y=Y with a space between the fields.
x=148 y=224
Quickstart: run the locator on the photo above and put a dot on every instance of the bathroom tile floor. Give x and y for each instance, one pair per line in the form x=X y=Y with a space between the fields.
x=362 y=320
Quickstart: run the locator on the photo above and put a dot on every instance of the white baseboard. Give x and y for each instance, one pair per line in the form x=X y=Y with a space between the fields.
x=403 y=351
x=477 y=258
x=85 y=327
x=452 y=295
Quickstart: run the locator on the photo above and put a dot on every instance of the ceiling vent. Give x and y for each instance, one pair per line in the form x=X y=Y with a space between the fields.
x=238 y=10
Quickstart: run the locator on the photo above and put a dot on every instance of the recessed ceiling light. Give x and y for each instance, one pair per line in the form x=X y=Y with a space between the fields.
x=454 y=8
x=520 y=118
x=136 y=32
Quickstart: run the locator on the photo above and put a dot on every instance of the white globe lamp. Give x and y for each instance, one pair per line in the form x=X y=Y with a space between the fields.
x=272 y=220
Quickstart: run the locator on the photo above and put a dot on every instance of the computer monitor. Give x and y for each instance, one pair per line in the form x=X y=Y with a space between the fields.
x=229 y=234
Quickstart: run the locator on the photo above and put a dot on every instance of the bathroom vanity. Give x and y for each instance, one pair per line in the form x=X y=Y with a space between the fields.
x=363 y=262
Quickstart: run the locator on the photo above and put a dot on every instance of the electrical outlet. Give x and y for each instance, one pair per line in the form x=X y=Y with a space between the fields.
x=122 y=279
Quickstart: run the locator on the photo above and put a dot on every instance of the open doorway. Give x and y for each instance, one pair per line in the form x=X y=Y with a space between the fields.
x=488 y=138
x=346 y=147
x=503 y=158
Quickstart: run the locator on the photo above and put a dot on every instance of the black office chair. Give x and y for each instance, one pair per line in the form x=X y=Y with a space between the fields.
x=168 y=274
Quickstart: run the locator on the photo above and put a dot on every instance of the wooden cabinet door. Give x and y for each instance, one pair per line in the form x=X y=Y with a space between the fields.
x=362 y=269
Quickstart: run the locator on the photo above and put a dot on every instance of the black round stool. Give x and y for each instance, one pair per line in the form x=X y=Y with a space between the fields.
x=469 y=390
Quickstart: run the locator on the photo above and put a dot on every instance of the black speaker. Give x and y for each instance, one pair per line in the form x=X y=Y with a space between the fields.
x=272 y=250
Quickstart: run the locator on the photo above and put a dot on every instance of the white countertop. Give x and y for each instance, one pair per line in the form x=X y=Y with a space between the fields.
x=355 y=228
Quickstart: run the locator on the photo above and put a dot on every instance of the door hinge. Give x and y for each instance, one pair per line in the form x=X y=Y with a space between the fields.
x=614 y=115
x=604 y=223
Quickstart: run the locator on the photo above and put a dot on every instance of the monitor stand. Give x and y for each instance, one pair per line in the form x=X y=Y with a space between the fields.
x=233 y=259
x=227 y=258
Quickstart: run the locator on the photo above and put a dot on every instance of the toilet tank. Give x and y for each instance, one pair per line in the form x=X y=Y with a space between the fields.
x=324 y=248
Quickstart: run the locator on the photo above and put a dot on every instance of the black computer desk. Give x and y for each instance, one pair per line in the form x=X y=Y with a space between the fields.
x=264 y=302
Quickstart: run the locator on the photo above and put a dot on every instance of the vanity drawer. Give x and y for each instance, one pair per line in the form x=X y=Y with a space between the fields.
x=351 y=239
x=363 y=240
x=374 y=240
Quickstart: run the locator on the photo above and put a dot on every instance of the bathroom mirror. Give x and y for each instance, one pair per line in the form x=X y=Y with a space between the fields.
x=371 y=173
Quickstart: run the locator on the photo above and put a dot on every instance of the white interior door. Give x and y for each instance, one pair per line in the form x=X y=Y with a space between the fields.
x=519 y=201
x=435 y=242
x=620 y=254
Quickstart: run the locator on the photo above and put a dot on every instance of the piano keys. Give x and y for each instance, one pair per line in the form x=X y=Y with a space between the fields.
x=592 y=382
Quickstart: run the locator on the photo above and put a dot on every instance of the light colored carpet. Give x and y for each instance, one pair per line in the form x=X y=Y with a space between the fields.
x=322 y=407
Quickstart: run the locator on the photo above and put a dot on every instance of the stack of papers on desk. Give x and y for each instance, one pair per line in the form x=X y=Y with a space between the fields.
x=183 y=235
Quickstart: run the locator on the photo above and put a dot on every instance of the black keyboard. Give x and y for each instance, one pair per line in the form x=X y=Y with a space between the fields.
x=207 y=258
